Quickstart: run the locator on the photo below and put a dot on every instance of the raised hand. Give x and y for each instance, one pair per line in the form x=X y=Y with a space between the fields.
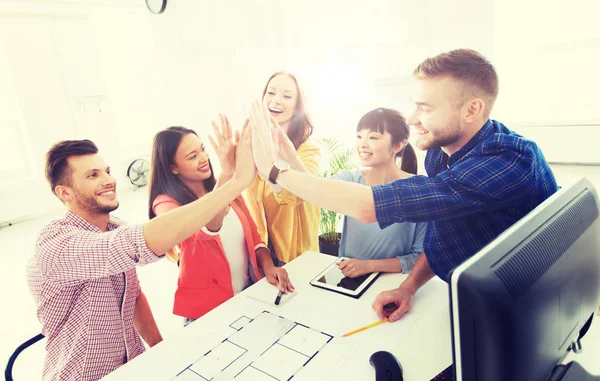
x=245 y=170
x=287 y=151
x=265 y=152
x=224 y=144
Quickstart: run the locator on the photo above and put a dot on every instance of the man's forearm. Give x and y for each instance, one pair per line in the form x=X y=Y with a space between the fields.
x=419 y=275
x=143 y=322
x=350 y=199
x=298 y=165
x=169 y=229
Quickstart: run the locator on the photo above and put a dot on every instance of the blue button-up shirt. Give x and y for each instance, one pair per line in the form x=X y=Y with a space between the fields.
x=470 y=197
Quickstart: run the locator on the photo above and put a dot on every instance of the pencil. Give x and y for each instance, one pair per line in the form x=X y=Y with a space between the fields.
x=365 y=327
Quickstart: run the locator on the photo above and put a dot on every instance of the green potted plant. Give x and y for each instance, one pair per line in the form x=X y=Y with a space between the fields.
x=339 y=160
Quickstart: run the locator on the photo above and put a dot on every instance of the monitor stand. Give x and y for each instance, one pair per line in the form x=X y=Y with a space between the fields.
x=571 y=372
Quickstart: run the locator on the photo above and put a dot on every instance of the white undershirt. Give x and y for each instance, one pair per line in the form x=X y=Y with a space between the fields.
x=236 y=251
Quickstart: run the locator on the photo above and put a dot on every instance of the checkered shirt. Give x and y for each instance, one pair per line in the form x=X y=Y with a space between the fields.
x=470 y=197
x=85 y=286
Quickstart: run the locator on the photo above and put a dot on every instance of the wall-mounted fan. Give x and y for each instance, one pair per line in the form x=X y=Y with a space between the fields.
x=138 y=172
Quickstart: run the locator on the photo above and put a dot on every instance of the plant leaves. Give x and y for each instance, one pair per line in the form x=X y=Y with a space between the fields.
x=340 y=159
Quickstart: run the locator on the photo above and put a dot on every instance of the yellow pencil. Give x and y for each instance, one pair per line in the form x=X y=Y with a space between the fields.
x=365 y=327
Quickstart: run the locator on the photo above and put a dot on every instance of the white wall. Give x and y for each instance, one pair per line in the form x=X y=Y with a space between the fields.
x=547 y=54
x=39 y=108
x=354 y=56
x=71 y=72
x=110 y=71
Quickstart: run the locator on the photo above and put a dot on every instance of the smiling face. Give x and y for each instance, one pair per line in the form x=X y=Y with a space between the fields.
x=375 y=149
x=436 y=118
x=92 y=188
x=281 y=98
x=191 y=162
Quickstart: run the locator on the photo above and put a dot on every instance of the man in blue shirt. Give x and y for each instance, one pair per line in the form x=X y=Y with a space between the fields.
x=482 y=176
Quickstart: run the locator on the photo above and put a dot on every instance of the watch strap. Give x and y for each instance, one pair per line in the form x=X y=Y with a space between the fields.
x=273 y=174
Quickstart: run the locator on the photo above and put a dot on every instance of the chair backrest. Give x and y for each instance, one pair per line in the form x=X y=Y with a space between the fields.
x=17 y=352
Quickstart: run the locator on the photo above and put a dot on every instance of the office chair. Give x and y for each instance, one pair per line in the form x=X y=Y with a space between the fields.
x=17 y=352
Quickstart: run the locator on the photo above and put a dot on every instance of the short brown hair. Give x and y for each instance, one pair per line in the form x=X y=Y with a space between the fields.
x=57 y=167
x=467 y=66
x=301 y=127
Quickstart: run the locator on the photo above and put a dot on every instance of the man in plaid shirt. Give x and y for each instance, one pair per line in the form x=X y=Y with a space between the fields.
x=83 y=276
x=482 y=176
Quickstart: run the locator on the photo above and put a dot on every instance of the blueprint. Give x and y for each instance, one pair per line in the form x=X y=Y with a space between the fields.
x=267 y=347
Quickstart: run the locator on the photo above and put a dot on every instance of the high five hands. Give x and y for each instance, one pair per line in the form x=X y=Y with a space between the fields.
x=264 y=148
x=234 y=150
x=269 y=140
x=224 y=144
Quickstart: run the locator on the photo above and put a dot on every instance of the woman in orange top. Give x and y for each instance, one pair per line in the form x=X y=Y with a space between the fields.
x=285 y=221
x=224 y=257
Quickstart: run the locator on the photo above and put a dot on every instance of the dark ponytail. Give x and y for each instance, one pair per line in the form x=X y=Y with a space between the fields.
x=409 y=159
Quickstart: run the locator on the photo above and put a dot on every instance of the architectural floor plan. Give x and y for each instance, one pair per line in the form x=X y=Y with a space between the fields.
x=267 y=347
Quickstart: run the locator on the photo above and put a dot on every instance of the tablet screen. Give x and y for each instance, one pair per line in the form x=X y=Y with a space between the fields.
x=335 y=278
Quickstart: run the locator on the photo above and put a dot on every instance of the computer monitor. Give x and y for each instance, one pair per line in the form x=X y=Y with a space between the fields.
x=518 y=305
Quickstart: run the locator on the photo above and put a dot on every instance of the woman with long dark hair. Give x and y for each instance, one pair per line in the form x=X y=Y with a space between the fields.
x=225 y=256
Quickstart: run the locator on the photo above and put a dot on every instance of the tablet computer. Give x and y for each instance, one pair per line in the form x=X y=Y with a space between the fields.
x=332 y=279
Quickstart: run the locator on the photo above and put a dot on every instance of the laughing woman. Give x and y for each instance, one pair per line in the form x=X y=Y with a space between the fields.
x=289 y=224
x=225 y=256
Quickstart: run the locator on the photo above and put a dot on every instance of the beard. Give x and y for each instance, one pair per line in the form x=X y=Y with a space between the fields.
x=443 y=137
x=91 y=204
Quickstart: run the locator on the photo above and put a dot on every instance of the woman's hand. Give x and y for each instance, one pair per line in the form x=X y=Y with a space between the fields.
x=224 y=144
x=245 y=170
x=352 y=267
x=279 y=277
x=264 y=147
x=287 y=151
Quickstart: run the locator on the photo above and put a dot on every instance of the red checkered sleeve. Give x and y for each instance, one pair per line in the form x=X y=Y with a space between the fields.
x=85 y=286
x=68 y=255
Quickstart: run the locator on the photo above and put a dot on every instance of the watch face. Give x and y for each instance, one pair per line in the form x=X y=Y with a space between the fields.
x=156 y=6
x=282 y=165
x=278 y=167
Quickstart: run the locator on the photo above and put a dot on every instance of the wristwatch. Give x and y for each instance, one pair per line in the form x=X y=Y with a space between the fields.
x=278 y=167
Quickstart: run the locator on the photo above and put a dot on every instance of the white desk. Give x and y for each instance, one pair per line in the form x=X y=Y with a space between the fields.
x=424 y=351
